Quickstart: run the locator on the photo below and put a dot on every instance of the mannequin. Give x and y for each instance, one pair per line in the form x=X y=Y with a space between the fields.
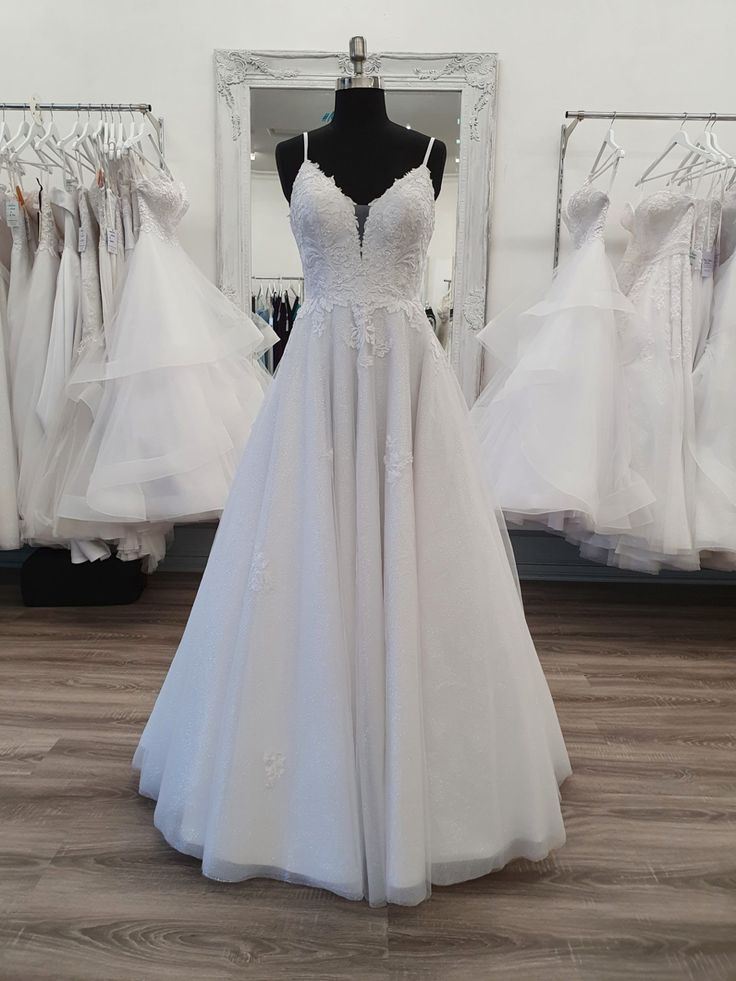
x=361 y=148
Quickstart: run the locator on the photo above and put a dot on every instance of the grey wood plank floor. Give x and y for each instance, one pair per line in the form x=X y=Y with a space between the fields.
x=644 y=678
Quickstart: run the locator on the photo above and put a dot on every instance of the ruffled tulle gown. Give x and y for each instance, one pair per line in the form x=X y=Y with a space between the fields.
x=163 y=397
x=553 y=426
x=356 y=702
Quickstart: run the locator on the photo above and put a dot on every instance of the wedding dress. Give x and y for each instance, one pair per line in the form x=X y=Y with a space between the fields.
x=21 y=264
x=65 y=321
x=715 y=439
x=656 y=275
x=703 y=261
x=356 y=702
x=553 y=427
x=9 y=524
x=170 y=395
x=32 y=351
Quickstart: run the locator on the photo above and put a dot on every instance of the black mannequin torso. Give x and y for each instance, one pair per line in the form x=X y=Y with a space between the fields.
x=361 y=148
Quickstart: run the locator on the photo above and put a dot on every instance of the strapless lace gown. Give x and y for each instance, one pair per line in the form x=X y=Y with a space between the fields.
x=715 y=436
x=356 y=702
x=553 y=424
x=656 y=275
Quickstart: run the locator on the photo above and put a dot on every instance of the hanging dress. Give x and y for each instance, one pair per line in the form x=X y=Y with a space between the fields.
x=9 y=523
x=554 y=429
x=172 y=395
x=33 y=346
x=715 y=437
x=656 y=275
x=356 y=703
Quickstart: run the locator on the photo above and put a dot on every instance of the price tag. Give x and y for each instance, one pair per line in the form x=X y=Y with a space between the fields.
x=708 y=264
x=12 y=213
x=82 y=240
x=112 y=241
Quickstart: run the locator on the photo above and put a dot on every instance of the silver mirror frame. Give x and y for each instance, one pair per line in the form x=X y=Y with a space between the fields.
x=473 y=75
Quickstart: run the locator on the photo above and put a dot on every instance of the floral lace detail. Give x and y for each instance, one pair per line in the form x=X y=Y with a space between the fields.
x=389 y=265
x=275 y=765
x=91 y=295
x=395 y=460
x=260 y=578
x=162 y=204
x=48 y=237
x=586 y=213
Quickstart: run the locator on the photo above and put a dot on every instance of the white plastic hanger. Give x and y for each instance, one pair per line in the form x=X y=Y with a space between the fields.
x=615 y=154
x=680 y=139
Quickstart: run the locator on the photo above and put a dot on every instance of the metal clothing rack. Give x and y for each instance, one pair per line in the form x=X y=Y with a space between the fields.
x=119 y=107
x=577 y=116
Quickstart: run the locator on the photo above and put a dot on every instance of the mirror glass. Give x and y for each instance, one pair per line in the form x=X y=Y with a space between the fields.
x=278 y=114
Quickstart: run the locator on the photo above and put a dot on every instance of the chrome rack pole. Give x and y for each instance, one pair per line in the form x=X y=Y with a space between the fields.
x=578 y=115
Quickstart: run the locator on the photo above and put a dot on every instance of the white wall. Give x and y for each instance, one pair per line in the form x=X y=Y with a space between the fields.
x=668 y=55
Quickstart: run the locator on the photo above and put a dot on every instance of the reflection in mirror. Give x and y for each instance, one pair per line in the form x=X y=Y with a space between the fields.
x=277 y=286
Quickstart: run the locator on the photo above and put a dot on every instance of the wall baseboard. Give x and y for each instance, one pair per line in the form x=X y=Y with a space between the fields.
x=539 y=556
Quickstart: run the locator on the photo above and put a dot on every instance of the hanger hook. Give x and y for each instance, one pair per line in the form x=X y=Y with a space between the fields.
x=613 y=118
x=684 y=120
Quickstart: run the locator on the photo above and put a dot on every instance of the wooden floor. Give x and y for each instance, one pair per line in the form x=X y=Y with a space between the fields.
x=644 y=678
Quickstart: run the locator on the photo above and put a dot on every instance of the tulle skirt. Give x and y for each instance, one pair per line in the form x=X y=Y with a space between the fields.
x=356 y=702
x=157 y=415
x=554 y=429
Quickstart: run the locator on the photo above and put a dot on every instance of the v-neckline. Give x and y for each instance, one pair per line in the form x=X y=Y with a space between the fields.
x=354 y=205
x=330 y=179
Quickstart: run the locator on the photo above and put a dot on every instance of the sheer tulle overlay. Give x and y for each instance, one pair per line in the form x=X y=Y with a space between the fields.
x=159 y=404
x=356 y=702
x=554 y=432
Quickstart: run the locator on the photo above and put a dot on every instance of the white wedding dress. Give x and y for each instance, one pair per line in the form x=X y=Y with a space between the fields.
x=356 y=702
x=656 y=275
x=553 y=426
x=165 y=400
x=30 y=364
x=715 y=436
x=9 y=523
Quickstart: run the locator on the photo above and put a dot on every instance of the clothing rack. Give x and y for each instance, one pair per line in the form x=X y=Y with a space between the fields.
x=578 y=115
x=273 y=279
x=143 y=107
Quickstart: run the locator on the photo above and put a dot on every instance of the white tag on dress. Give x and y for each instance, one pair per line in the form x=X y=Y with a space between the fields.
x=707 y=265
x=12 y=213
x=112 y=241
x=82 y=240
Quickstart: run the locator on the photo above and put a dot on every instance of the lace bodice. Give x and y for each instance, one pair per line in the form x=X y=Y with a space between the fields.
x=162 y=204
x=48 y=236
x=707 y=219
x=586 y=213
x=660 y=227
x=384 y=267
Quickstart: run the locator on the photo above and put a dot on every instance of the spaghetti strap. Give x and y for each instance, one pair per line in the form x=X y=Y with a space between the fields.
x=429 y=150
x=306 y=146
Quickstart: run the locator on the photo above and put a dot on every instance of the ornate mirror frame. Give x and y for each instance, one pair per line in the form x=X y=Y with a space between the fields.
x=473 y=75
